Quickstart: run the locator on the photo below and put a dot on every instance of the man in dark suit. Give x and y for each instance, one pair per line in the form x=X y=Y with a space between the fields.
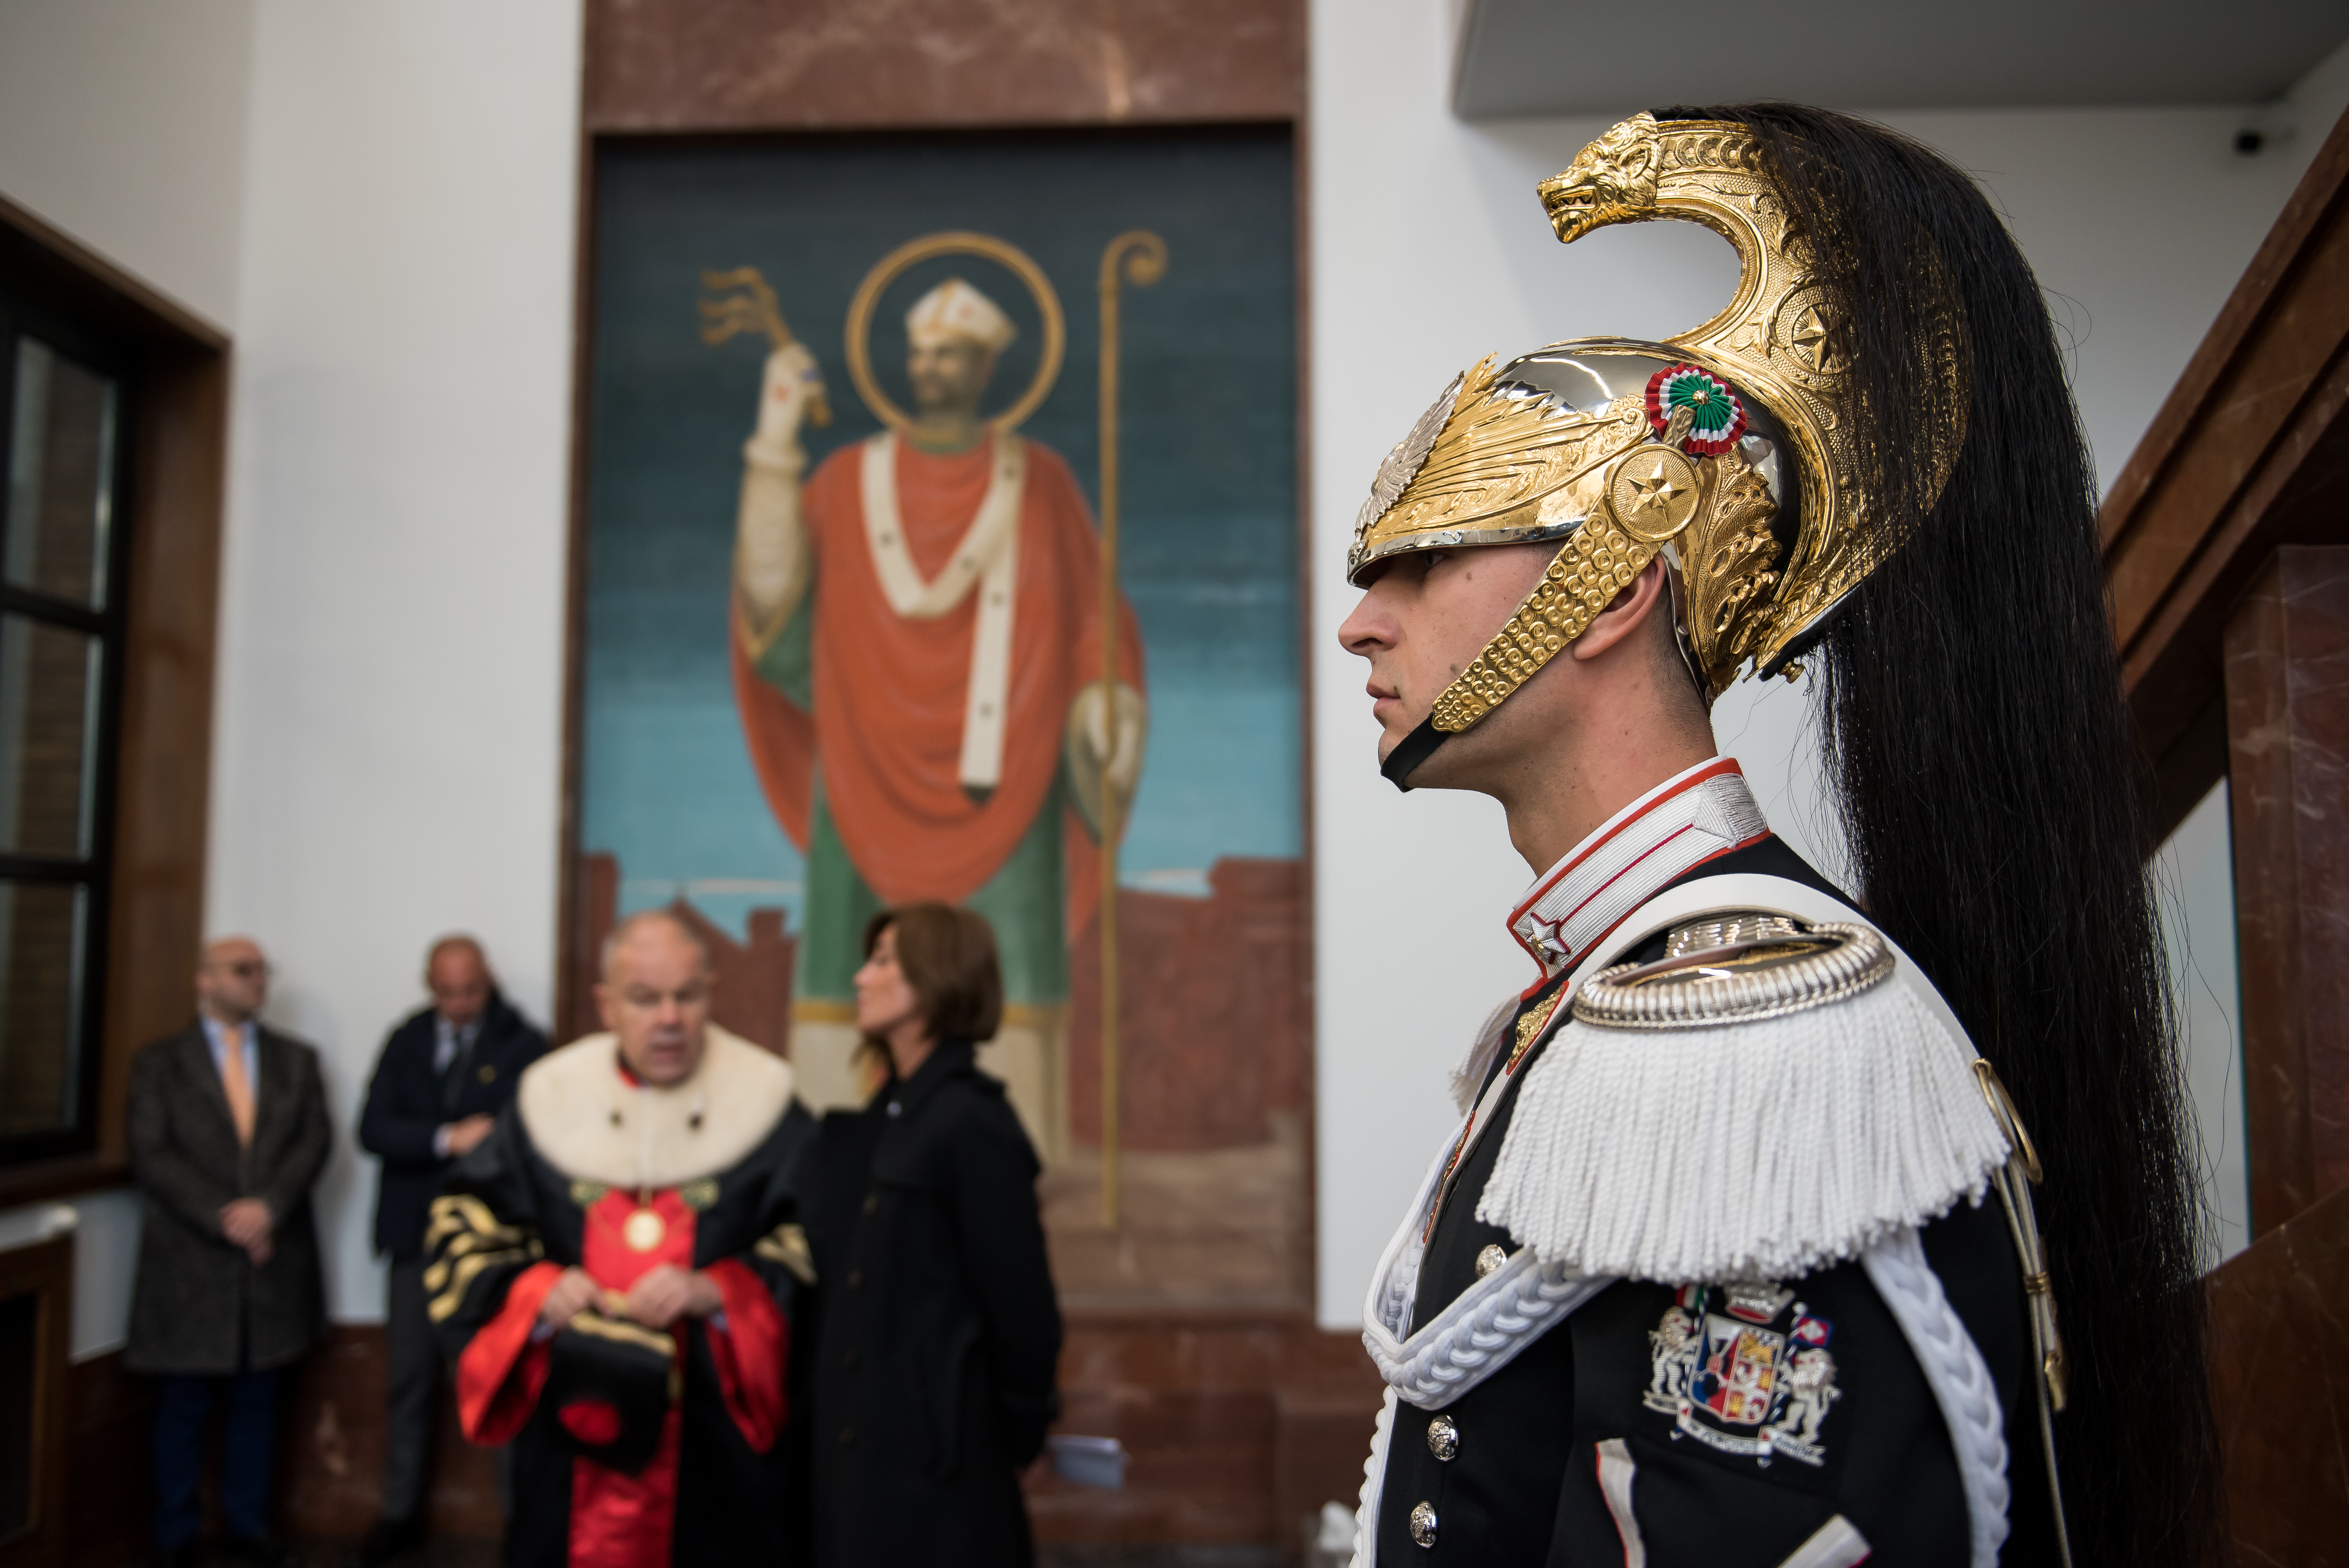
x=443 y=1078
x=228 y=1130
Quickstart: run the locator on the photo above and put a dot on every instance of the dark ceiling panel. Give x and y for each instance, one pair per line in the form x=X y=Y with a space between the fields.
x=1567 y=56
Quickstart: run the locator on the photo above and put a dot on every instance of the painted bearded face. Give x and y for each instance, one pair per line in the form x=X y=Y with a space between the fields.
x=948 y=376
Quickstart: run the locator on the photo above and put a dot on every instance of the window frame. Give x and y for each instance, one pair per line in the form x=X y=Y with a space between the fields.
x=23 y=314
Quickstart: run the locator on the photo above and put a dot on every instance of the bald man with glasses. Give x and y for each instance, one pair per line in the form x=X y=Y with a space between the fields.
x=228 y=1131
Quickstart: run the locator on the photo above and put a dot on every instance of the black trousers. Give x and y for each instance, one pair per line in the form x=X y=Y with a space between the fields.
x=184 y=1403
x=413 y=1373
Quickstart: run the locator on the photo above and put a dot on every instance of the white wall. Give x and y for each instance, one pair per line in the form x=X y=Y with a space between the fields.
x=122 y=123
x=379 y=201
x=388 y=752
x=2194 y=884
x=105 y=1231
x=1429 y=250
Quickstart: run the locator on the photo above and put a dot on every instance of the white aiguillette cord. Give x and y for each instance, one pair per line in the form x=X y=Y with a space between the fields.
x=1394 y=1285
x=986 y=557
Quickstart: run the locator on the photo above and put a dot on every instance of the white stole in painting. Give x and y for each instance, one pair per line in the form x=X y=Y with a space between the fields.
x=986 y=557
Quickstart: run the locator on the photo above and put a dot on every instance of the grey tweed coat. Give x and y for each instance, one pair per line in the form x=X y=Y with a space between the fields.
x=199 y=1305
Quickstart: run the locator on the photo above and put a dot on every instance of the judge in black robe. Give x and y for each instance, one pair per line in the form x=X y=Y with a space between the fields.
x=615 y=1273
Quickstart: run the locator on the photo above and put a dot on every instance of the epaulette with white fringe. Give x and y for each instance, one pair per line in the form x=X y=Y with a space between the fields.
x=1770 y=1097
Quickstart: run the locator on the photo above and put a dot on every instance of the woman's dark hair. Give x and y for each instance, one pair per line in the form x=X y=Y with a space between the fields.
x=1979 y=746
x=948 y=957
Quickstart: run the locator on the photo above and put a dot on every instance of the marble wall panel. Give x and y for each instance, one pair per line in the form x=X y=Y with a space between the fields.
x=2247 y=454
x=2287 y=667
x=1239 y=1426
x=2279 y=1391
x=752 y=64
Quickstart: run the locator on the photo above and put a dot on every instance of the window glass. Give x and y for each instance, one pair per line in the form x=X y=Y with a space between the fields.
x=41 y=949
x=68 y=396
x=60 y=472
x=49 y=687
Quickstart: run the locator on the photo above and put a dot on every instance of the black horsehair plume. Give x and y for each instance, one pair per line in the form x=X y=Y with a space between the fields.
x=1978 y=745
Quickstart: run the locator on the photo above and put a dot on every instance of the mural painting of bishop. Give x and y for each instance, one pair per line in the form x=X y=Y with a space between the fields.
x=917 y=665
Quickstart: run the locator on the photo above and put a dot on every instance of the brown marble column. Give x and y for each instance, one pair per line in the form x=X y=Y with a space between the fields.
x=2287 y=668
x=2277 y=1391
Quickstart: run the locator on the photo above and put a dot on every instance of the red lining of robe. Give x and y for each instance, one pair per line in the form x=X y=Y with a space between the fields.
x=749 y=1352
x=621 y=1520
x=501 y=1373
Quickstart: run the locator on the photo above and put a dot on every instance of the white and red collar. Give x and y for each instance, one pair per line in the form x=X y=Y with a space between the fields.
x=1679 y=824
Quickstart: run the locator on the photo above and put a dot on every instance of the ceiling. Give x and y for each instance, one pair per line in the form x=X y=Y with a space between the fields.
x=1519 y=58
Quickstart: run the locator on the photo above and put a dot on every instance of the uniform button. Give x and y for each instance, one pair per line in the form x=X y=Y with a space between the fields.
x=1490 y=1258
x=872 y=1201
x=1422 y=1522
x=848 y=1441
x=1442 y=1438
x=856 y=1279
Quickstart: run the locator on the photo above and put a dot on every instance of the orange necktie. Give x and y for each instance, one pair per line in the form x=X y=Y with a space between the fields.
x=235 y=1085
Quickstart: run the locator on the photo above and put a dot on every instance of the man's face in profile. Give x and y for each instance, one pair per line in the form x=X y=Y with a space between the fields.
x=1425 y=616
x=948 y=375
x=655 y=997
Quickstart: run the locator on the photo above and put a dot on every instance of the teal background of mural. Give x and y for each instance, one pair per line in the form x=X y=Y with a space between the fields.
x=1208 y=494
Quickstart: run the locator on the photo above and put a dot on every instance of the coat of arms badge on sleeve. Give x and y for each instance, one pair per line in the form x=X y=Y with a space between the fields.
x=1744 y=1370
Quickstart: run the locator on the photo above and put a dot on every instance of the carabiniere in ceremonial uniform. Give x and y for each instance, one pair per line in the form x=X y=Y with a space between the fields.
x=1733 y=1258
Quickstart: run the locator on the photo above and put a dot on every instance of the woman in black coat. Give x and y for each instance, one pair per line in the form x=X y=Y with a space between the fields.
x=939 y=1330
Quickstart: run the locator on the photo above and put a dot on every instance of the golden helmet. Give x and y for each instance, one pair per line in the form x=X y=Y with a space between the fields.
x=1730 y=448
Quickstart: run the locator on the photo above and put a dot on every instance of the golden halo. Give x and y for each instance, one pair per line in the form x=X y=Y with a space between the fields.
x=954 y=242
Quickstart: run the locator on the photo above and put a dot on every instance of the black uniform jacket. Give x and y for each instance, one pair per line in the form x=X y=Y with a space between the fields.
x=1513 y=1473
x=200 y=1304
x=939 y=1331
x=507 y=1207
x=408 y=1103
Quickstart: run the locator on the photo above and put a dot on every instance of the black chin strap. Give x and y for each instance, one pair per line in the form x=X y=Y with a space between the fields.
x=1415 y=749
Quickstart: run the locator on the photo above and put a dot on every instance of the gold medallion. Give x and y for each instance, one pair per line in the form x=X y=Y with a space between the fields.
x=1653 y=493
x=643 y=1230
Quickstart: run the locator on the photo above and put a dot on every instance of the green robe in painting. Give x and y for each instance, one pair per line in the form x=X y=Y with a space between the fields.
x=1023 y=900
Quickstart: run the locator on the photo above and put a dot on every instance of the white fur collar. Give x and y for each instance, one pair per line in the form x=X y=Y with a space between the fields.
x=591 y=1124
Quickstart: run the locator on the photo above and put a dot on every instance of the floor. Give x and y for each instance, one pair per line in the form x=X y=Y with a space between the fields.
x=484 y=1554
x=436 y=1554
x=1067 y=1556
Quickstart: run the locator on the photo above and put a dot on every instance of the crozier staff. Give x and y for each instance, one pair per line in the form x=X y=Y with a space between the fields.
x=615 y=1272
x=940 y=1331
x=1733 y=1261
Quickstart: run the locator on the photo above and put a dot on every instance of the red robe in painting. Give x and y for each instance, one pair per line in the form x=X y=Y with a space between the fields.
x=889 y=692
